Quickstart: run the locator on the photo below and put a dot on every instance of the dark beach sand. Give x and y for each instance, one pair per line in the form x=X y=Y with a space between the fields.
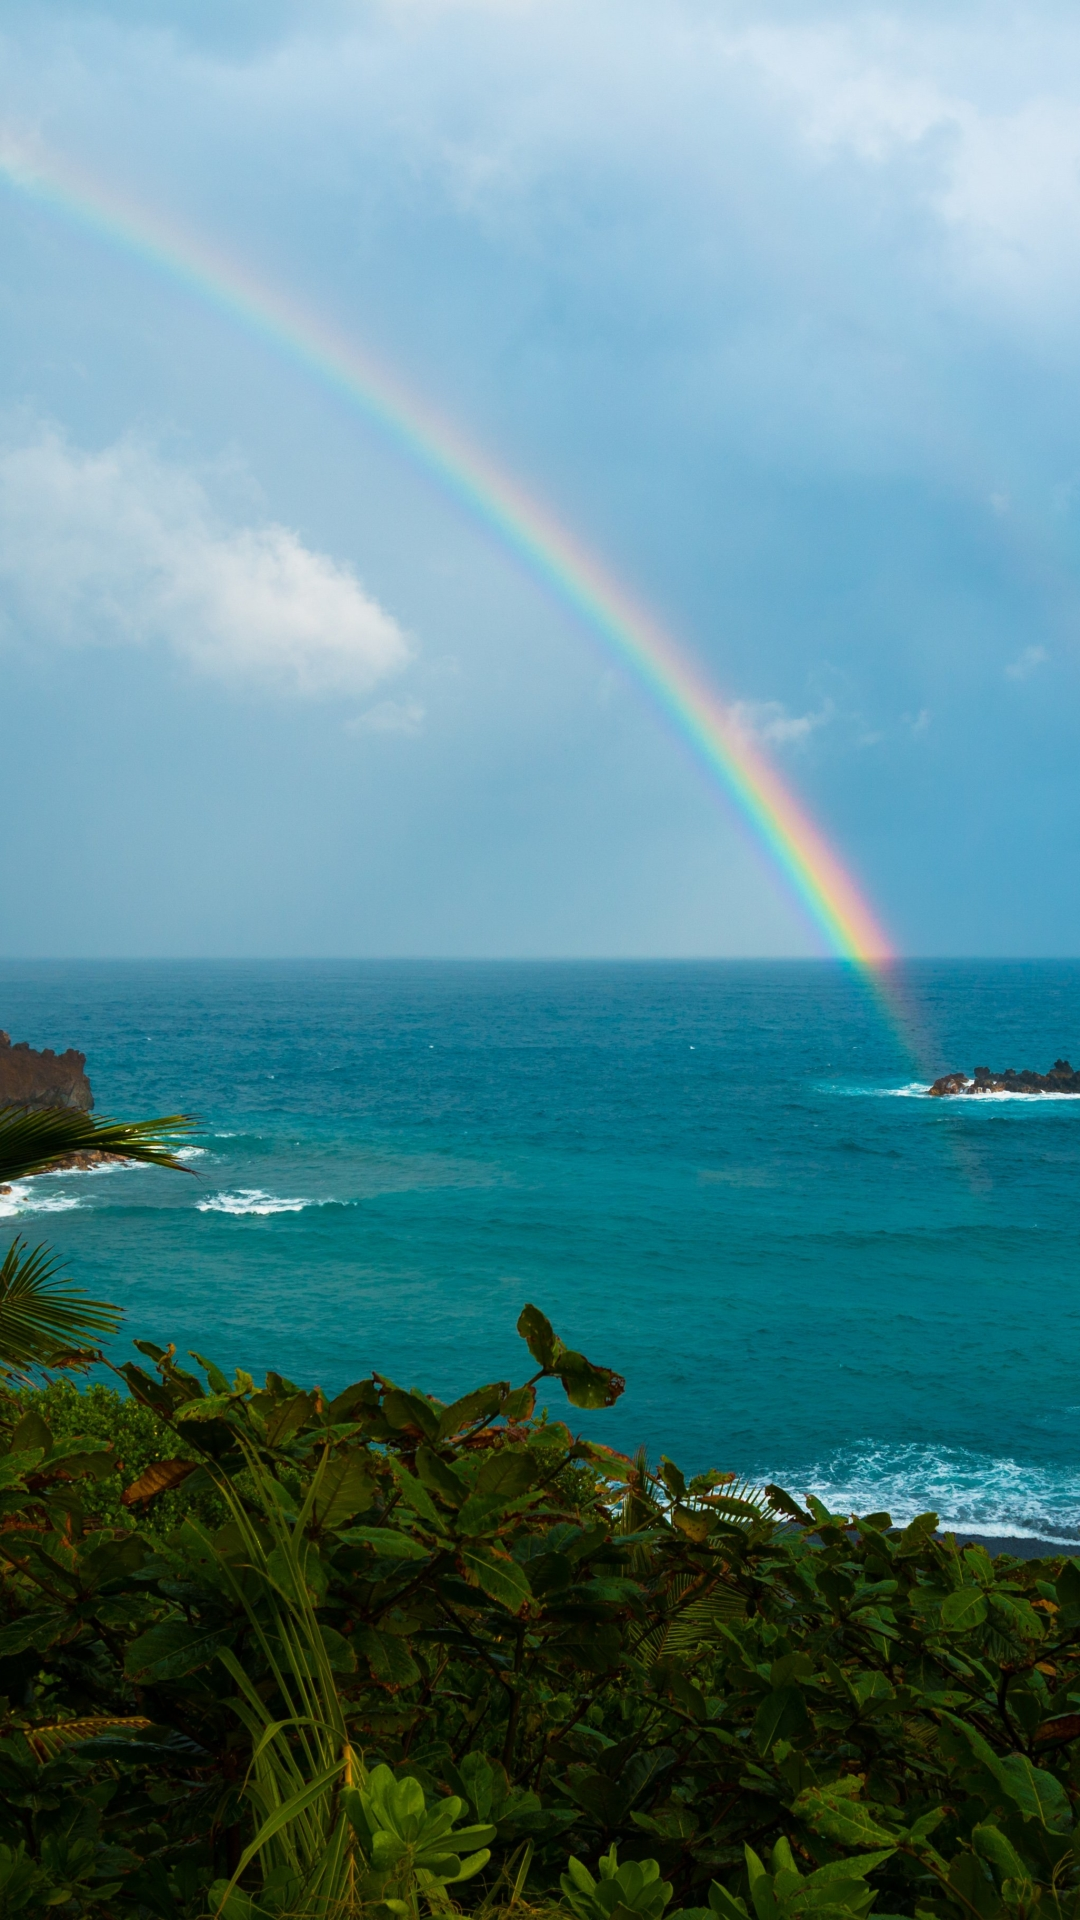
x=1021 y=1549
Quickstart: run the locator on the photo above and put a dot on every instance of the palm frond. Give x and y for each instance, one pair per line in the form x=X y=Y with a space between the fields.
x=43 y=1321
x=47 y=1742
x=693 y=1620
x=32 y=1142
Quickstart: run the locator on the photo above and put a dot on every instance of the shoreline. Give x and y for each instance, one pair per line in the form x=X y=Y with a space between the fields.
x=1020 y=1546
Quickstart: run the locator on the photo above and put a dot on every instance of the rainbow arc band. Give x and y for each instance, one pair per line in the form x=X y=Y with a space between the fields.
x=814 y=871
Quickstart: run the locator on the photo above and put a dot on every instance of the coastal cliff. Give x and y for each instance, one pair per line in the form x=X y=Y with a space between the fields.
x=46 y=1079
x=1060 y=1079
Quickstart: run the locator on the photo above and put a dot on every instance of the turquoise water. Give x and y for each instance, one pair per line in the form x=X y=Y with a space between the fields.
x=720 y=1179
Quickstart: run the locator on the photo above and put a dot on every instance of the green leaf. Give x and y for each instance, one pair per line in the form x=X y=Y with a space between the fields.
x=210 y=1407
x=1039 y=1795
x=854 y=1866
x=387 y=1541
x=990 y=1844
x=836 y=1815
x=37 y=1629
x=173 y=1649
x=33 y=1141
x=408 y=1410
x=388 y=1656
x=287 y=1417
x=496 y=1575
x=586 y=1385
x=916 y=1535
x=963 y=1609
x=506 y=1473
x=727 y=1905
x=415 y=1494
x=42 y=1319
x=439 y=1477
x=519 y=1405
x=346 y=1486
x=539 y=1335
x=31 y=1431
x=218 y=1381
x=1068 y=1584
x=782 y=1715
x=472 y=1408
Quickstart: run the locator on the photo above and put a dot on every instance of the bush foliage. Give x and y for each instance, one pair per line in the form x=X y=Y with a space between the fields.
x=262 y=1653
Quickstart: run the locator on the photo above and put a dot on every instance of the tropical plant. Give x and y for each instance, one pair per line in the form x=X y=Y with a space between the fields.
x=635 y=1888
x=44 y=1321
x=318 y=1650
x=837 y=1891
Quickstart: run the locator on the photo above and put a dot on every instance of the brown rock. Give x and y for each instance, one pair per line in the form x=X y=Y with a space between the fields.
x=1060 y=1079
x=949 y=1084
x=46 y=1079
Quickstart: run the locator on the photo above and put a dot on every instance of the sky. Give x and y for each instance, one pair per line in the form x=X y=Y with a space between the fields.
x=773 y=305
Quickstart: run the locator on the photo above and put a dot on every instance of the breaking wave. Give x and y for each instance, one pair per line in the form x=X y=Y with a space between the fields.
x=970 y=1492
x=21 y=1198
x=253 y=1200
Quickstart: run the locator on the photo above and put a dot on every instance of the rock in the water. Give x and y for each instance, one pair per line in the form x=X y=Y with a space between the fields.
x=1060 y=1079
x=47 y=1079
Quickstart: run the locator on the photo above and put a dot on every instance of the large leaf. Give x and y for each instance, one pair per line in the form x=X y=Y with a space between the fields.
x=962 y=1609
x=173 y=1649
x=346 y=1486
x=159 y=1477
x=44 y=1320
x=48 y=1741
x=1039 y=1795
x=31 y=1142
x=587 y=1385
x=496 y=1575
x=834 y=1812
x=539 y=1335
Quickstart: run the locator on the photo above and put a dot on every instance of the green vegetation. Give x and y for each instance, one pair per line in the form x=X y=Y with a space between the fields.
x=265 y=1653
x=268 y=1654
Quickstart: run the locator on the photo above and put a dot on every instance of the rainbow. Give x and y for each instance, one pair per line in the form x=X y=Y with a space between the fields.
x=814 y=871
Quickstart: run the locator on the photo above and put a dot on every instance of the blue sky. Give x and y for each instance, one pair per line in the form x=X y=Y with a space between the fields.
x=775 y=304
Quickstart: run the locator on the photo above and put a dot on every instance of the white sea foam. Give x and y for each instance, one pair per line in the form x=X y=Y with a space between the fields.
x=190 y=1153
x=919 y=1089
x=1025 y=1099
x=970 y=1492
x=253 y=1200
x=23 y=1198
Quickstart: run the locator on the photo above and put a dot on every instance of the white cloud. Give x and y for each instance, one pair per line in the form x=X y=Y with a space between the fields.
x=389 y=716
x=122 y=547
x=768 y=721
x=1026 y=663
x=999 y=133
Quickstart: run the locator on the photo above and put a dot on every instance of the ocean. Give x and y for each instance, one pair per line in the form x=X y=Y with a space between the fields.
x=722 y=1179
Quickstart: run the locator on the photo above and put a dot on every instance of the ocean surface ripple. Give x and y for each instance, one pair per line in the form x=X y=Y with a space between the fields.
x=723 y=1179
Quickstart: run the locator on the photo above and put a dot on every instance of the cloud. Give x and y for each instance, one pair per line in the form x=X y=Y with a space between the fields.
x=1026 y=663
x=389 y=716
x=123 y=548
x=998 y=136
x=771 y=723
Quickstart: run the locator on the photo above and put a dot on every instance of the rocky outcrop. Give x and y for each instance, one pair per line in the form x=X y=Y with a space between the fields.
x=1060 y=1079
x=47 y=1079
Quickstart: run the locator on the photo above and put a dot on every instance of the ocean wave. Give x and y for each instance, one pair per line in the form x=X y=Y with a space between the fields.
x=913 y=1090
x=21 y=1198
x=189 y=1153
x=919 y=1089
x=1025 y=1099
x=970 y=1492
x=253 y=1200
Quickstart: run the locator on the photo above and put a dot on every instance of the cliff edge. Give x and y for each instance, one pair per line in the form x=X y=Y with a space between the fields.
x=47 y=1079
